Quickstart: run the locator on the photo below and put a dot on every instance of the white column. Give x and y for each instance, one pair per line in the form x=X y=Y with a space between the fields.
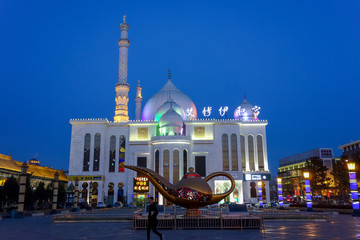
x=230 y=153
x=266 y=164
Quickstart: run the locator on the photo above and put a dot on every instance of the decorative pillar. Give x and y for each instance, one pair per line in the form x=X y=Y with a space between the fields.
x=280 y=193
x=21 y=201
x=260 y=194
x=76 y=198
x=55 y=193
x=353 y=189
x=138 y=100
x=308 y=192
x=122 y=87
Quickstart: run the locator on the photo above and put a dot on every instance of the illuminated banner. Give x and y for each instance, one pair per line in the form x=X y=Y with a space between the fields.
x=86 y=178
x=257 y=177
x=141 y=184
x=223 y=111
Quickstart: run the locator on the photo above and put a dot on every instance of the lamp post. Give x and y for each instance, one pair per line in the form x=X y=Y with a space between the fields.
x=260 y=194
x=308 y=191
x=280 y=193
x=353 y=189
x=55 y=193
x=21 y=201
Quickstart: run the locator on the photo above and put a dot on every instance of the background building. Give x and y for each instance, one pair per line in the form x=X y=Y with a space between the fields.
x=292 y=167
x=351 y=149
x=9 y=167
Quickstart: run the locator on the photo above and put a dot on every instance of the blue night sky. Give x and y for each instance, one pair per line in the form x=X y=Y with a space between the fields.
x=297 y=60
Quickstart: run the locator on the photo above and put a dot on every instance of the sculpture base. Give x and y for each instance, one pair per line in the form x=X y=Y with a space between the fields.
x=192 y=212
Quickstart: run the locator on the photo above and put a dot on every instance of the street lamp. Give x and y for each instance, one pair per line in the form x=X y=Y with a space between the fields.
x=280 y=193
x=260 y=194
x=308 y=191
x=353 y=189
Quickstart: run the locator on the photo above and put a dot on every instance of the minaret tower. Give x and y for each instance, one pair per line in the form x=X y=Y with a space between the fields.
x=138 y=100
x=122 y=87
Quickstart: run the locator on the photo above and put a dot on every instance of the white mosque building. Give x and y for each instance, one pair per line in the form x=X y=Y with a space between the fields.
x=168 y=137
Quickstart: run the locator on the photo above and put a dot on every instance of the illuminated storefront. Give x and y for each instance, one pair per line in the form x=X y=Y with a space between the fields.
x=141 y=189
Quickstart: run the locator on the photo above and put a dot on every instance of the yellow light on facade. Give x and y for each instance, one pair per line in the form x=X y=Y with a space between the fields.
x=279 y=180
x=351 y=166
x=306 y=175
x=259 y=184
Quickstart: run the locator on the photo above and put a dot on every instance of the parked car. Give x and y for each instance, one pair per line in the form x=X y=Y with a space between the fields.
x=100 y=205
x=117 y=204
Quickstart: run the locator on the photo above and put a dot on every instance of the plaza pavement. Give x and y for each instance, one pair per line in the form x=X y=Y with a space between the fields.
x=41 y=227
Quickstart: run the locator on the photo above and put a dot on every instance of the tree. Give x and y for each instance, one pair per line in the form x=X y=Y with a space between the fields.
x=320 y=180
x=2 y=198
x=11 y=188
x=61 y=194
x=29 y=195
x=341 y=179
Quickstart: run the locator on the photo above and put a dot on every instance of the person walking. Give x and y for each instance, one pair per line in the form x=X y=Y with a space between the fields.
x=152 y=219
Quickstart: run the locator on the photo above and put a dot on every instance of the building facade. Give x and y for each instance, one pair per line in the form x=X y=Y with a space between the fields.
x=168 y=137
x=351 y=149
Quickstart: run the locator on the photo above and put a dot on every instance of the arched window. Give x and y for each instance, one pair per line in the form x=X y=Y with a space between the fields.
x=242 y=153
x=166 y=161
x=176 y=156
x=185 y=157
x=97 y=152
x=112 y=154
x=260 y=151
x=86 y=161
x=122 y=153
x=251 y=153
x=157 y=160
x=225 y=152
x=234 y=153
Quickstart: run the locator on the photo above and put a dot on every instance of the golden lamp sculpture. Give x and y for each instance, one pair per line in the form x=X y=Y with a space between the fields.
x=191 y=192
